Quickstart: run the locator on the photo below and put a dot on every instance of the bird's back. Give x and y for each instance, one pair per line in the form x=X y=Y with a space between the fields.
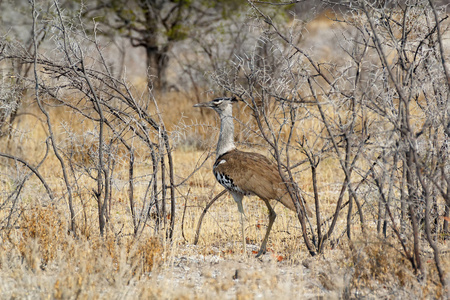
x=251 y=173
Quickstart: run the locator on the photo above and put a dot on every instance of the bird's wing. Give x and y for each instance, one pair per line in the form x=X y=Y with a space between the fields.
x=252 y=173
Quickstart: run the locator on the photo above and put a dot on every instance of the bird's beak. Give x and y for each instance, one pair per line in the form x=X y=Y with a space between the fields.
x=203 y=104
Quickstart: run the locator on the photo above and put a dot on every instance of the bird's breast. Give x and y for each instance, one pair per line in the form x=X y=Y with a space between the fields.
x=228 y=183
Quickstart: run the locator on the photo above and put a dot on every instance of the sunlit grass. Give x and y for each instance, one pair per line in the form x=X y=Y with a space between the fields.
x=40 y=258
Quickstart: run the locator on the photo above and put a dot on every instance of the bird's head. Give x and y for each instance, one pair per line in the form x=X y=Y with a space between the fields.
x=219 y=104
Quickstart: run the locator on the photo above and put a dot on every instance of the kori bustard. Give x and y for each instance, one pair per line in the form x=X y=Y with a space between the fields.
x=246 y=173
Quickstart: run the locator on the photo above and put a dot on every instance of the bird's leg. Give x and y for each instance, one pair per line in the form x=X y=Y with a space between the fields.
x=244 y=247
x=238 y=199
x=272 y=216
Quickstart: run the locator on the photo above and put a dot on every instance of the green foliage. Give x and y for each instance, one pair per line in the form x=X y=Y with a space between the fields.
x=177 y=33
x=183 y=2
x=226 y=8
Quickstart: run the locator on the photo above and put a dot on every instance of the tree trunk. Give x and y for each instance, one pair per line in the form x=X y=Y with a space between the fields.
x=157 y=62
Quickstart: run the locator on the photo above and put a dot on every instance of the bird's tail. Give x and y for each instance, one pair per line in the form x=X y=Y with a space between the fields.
x=287 y=201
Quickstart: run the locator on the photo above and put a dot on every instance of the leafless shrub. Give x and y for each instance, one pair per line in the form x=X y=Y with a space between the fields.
x=377 y=114
x=117 y=126
x=382 y=109
x=11 y=93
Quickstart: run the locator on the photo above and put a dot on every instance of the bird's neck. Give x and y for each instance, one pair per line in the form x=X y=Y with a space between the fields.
x=226 y=135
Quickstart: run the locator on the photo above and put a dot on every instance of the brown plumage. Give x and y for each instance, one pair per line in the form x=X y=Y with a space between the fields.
x=246 y=173
x=253 y=174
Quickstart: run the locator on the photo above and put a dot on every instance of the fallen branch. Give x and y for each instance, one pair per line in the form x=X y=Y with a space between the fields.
x=199 y=225
x=33 y=169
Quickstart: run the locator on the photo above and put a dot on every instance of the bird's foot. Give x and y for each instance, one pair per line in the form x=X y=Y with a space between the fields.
x=261 y=252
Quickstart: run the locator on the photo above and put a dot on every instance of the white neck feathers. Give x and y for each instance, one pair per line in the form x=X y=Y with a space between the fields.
x=226 y=135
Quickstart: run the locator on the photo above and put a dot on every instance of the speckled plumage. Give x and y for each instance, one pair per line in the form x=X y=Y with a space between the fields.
x=250 y=173
x=246 y=173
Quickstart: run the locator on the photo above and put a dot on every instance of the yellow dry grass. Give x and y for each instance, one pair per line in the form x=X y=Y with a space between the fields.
x=40 y=259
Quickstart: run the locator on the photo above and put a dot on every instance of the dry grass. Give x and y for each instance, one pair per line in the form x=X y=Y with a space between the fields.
x=39 y=259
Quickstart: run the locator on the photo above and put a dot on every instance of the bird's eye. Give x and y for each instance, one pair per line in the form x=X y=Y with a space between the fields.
x=217 y=101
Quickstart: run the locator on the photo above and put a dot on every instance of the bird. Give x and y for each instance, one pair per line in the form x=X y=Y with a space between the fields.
x=246 y=173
